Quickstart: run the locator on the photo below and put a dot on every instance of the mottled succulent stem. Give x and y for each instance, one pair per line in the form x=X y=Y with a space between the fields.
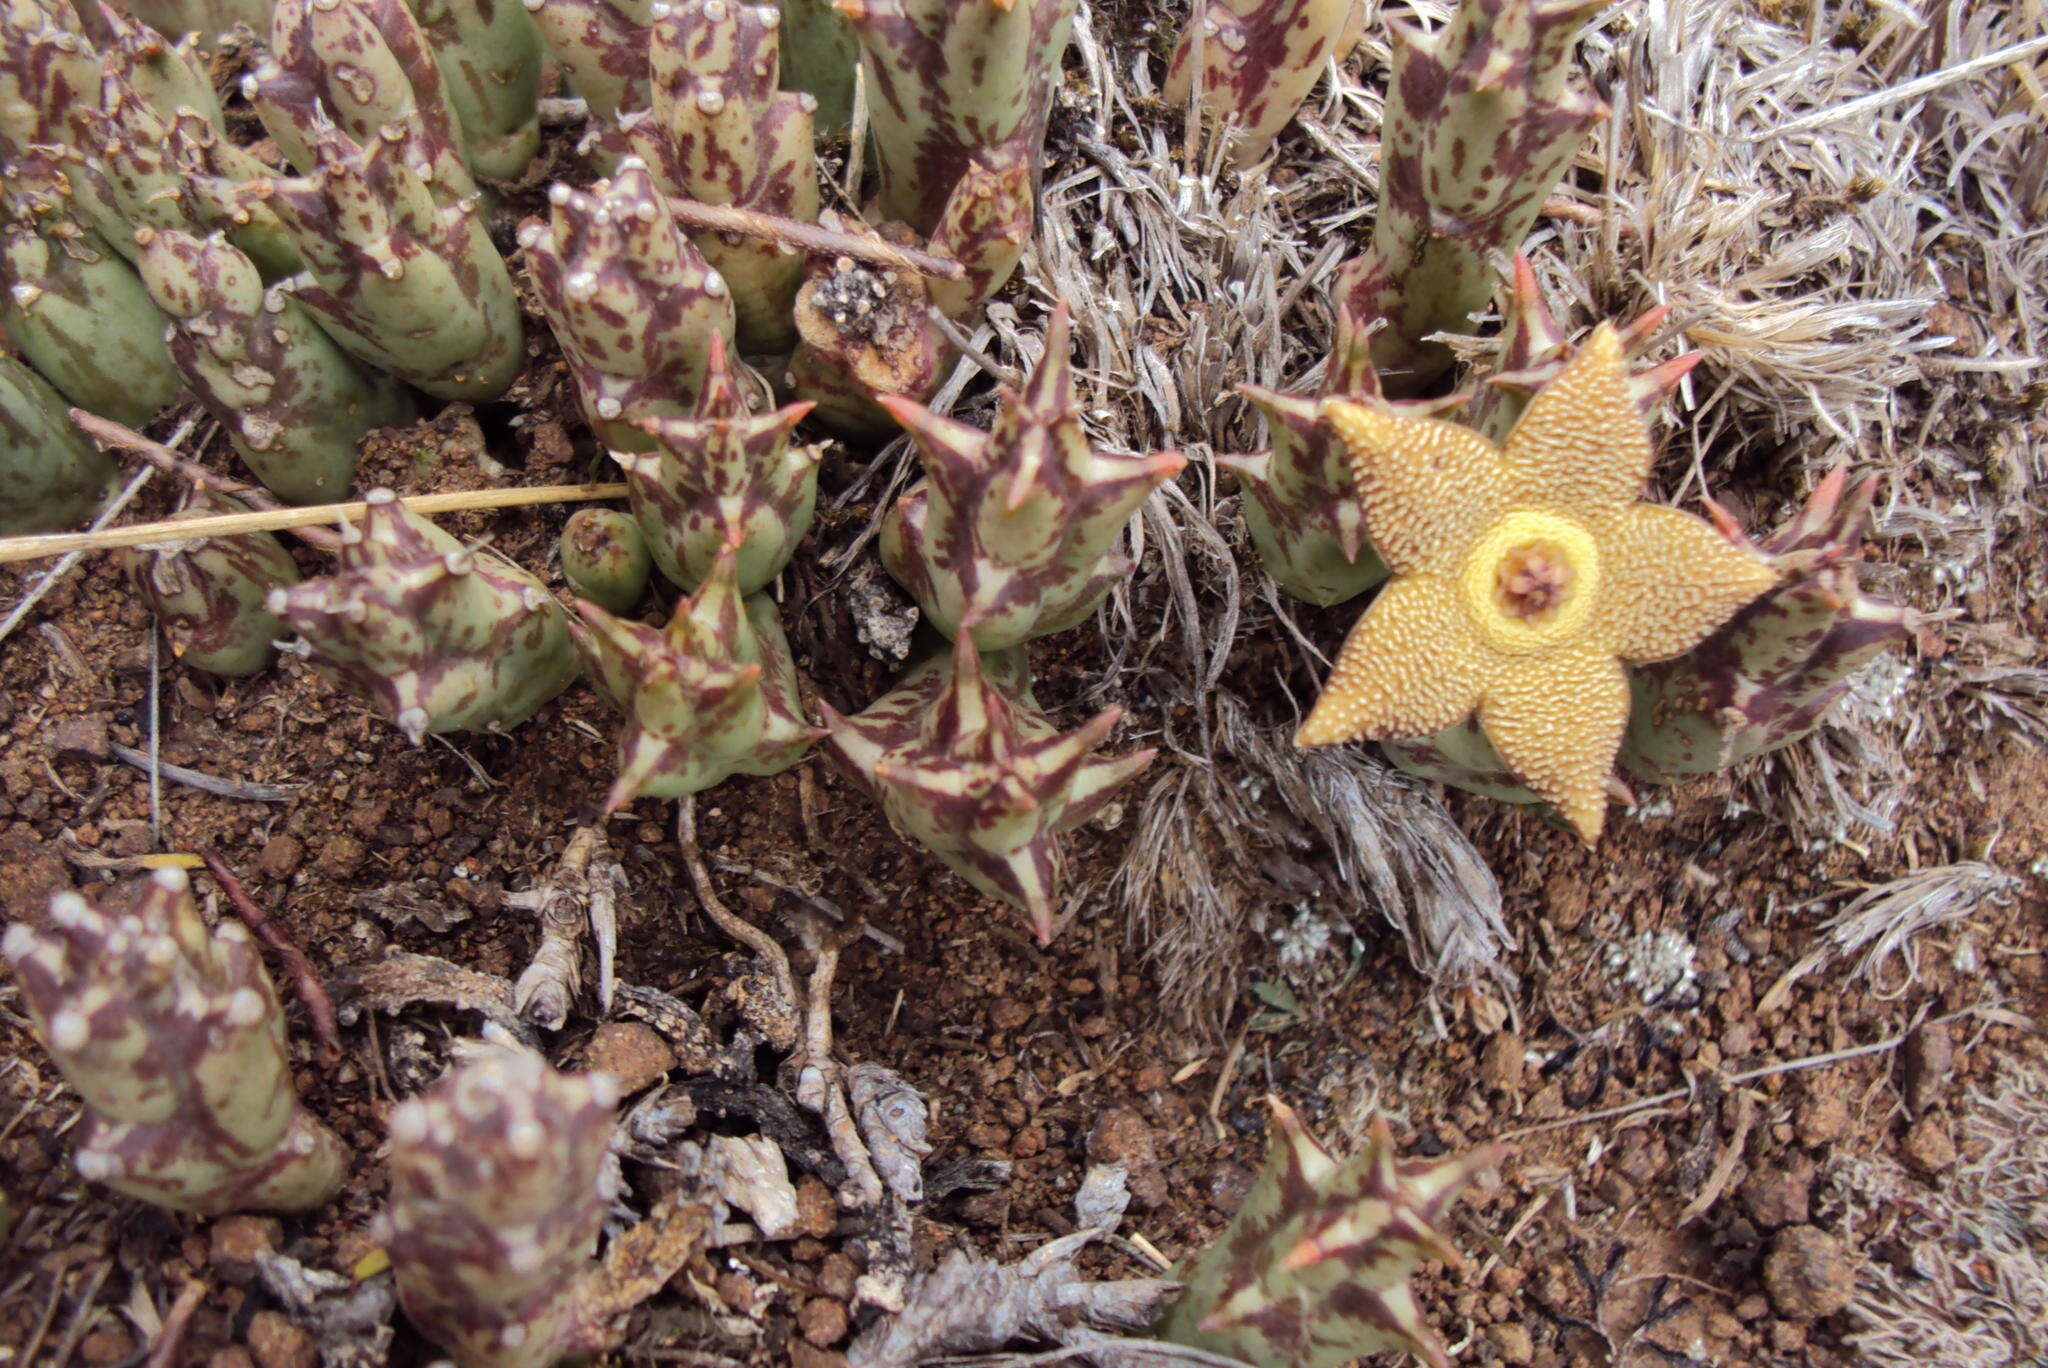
x=174 y=1038
x=403 y=279
x=632 y=302
x=362 y=66
x=1481 y=122
x=211 y=596
x=819 y=55
x=1258 y=60
x=948 y=79
x=865 y=330
x=712 y=694
x=719 y=130
x=604 y=558
x=964 y=761
x=53 y=476
x=602 y=46
x=724 y=477
x=75 y=308
x=441 y=638
x=1012 y=533
x=1770 y=675
x=498 y=1192
x=295 y=404
x=1313 y=1271
x=489 y=55
x=207 y=19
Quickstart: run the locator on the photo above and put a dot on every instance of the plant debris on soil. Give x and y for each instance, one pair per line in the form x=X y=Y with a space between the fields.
x=1767 y=1061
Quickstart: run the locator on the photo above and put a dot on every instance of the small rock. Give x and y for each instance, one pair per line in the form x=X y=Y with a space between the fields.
x=281 y=856
x=1752 y=1308
x=1500 y=1064
x=105 y=1348
x=1007 y=1014
x=631 y=1051
x=837 y=1276
x=1028 y=1142
x=1121 y=1135
x=341 y=856
x=1822 y=1119
x=1777 y=1191
x=822 y=1320
x=1788 y=1337
x=1807 y=1274
x=277 y=1343
x=30 y=871
x=1721 y=1325
x=1929 y=1147
x=817 y=1213
x=802 y=1355
x=988 y=1135
x=1927 y=1061
x=1511 y=1340
x=234 y=1356
x=235 y=1243
x=84 y=736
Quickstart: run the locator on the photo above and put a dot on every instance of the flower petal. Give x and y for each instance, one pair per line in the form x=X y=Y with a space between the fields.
x=1582 y=444
x=1672 y=580
x=1410 y=667
x=1557 y=720
x=1428 y=487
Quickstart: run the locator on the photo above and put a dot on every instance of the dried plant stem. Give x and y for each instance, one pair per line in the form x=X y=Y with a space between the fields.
x=292 y=519
x=55 y=574
x=171 y=1338
x=819 y=1085
x=809 y=237
x=306 y=981
x=764 y=946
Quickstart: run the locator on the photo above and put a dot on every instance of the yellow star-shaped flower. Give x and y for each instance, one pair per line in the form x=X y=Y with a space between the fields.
x=1523 y=577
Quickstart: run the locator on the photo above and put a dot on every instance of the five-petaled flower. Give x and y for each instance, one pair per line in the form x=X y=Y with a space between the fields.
x=1524 y=577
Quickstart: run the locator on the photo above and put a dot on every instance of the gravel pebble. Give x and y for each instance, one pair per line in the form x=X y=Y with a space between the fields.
x=1807 y=1274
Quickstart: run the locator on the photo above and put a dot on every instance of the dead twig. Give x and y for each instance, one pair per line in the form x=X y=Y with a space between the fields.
x=582 y=892
x=811 y=237
x=306 y=981
x=176 y=1321
x=55 y=574
x=765 y=947
x=293 y=519
x=127 y=440
x=206 y=783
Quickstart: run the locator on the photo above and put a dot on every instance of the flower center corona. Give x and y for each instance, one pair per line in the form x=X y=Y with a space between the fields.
x=1531 y=580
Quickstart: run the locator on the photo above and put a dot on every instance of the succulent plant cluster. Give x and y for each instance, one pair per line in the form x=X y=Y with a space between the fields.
x=212 y=595
x=499 y=1187
x=1313 y=1270
x=173 y=1036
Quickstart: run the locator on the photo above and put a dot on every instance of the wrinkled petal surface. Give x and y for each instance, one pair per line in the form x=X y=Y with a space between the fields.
x=1557 y=720
x=1428 y=487
x=1410 y=667
x=1582 y=445
x=1672 y=580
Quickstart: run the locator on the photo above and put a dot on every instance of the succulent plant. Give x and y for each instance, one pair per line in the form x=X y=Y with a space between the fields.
x=1012 y=533
x=489 y=54
x=819 y=56
x=717 y=129
x=362 y=66
x=53 y=476
x=498 y=1191
x=948 y=79
x=604 y=558
x=1524 y=576
x=76 y=308
x=635 y=307
x=1770 y=675
x=602 y=46
x=166 y=74
x=1313 y=1271
x=964 y=761
x=174 y=1038
x=441 y=638
x=723 y=477
x=1481 y=122
x=1298 y=502
x=211 y=594
x=1258 y=60
x=49 y=75
x=713 y=693
x=295 y=405
x=402 y=279
x=207 y=19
